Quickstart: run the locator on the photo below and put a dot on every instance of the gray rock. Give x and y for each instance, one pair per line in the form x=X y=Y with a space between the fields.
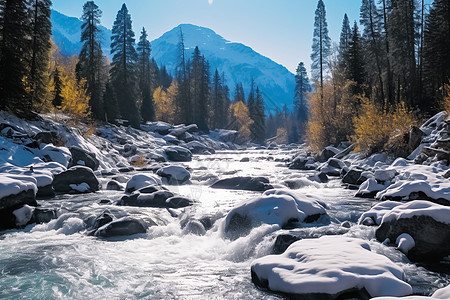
x=156 y=199
x=176 y=153
x=83 y=158
x=114 y=186
x=75 y=175
x=194 y=227
x=43 y=215
x=244 y=183
x=430 y=236
x=352 y=176
x=415 y=138
x=121 y=227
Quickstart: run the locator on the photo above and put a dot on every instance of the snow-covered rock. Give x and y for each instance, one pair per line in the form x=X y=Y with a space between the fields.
x=369 y=188
x=443 y=293
x=23 y=215
x=139 y=181
x=427 y=223
x=159 y=199
x=60 y=155
x=377 y=212
x=77 y=179
x=405 y=242
x=276 y=206
x=174 y=174
x=329 y=267
x=83 y=158
x=14 y=185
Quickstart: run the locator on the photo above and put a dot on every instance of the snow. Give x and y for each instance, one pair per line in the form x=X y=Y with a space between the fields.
x=60 y=155
x=82 y=187
x=139 y=181
x=378 y=211
x=331 y=264
x=443 y=293
x=405 y=242
x=23 y=215
x=370 y=186
x=407 y=210
x=15 y=184
x=276 y=206
x=384 y=175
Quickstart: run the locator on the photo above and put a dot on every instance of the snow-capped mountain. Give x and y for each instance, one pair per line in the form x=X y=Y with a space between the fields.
x=238 y=62
x=67 y=32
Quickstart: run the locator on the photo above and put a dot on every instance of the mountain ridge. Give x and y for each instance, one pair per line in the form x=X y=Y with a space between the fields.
x=239 y=62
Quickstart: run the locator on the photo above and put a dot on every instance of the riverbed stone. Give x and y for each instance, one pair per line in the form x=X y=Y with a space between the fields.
x=177 y=153
x=121 y=227
x=78 y=175
x=259 y=184
x=83 y=158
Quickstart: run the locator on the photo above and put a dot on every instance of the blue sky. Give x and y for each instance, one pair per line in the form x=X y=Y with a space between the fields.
x=279 y=29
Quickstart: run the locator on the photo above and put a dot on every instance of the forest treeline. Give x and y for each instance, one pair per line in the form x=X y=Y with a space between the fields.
x=389 y=68
x=386 y=73
x=35 y=77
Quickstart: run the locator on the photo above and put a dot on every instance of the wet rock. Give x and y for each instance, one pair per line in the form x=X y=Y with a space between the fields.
x=105 y=201
x=142 y=180
x=103 y=219
x=430 y=236
x=302 y=163
x=176 y=153
x=178 y=202
x=174 y=174
x=368 y=221
x=199 y=148
x=45 y=191
x=322 y=177
x=83 y=158
x=415 y=138
x=77 y=179
x=44 y=215
x=121 y=227
x=155 y=199
x=346 y=224
x=245 y=159
x=18 y=200
x=126 y=169
x=244 y=183
x=194 y=227
x=352 y=176
x=114 y=186
x=283 y=241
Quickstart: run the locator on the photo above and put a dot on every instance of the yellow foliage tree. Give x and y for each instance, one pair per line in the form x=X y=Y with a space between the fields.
x=165 y=102
x=446 y=99
x=331 y=113
x=377 y=129
x=241 y=114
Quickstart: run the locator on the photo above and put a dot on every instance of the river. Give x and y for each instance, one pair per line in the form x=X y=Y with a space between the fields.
x=59 y=260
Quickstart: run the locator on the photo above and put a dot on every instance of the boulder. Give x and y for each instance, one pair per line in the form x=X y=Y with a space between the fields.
x=174 y=174
x=113 y=185
x=177 y=153
x=194 y=227
x=60 y=155
x=330 y=267
x=284 y=208
x=415 y=138
x=327 y=153
x=83 y=158
x=199 y=148
x=47 y=137
x=178 y=202
x=352 y=176
x=302 y=163
x=245 y=159
x=259 y=184
x=121 y=227
x=155 y=199
x=142 y=180
x=78 y=179
x=427 y=223
x=44 y=215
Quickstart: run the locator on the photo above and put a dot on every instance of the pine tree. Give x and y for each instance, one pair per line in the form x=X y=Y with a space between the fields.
x=91 y=58
x=57 y=98
x=239 y=94
x=321 y=47
x=302 y=88
x=370 y=19
x=110 y=104
x=199 y=91
x=355 y=61
x=123 y=66
x=436 y=54
x=218 y=102
x=183 y=100
x=260 y=118
x=41 y=27
x=145 y=77
x=346 y=34
x=252 y=110
x=402 y=45
x=14 y=59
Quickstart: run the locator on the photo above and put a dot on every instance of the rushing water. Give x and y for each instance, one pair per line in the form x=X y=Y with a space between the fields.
x=59 y=260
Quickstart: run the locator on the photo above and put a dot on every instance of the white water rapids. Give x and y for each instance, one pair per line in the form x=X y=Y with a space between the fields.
x=59 y=260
